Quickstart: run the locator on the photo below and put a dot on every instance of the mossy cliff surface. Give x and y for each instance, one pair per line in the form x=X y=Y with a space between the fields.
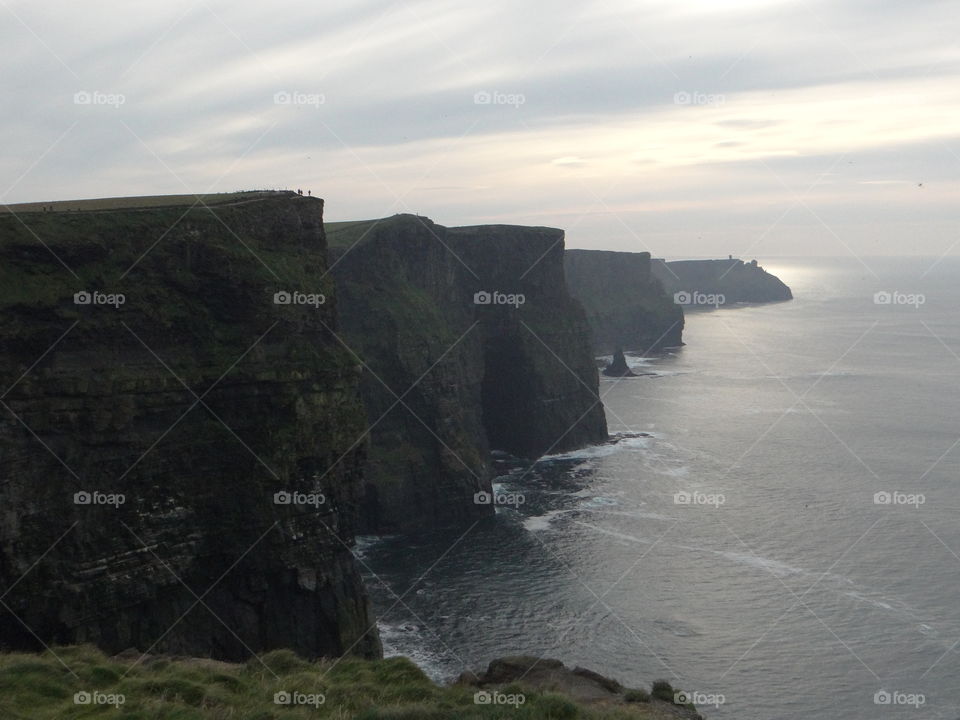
x=196 y=400
x=455 y=363
x=627 y=306
x=734 y=279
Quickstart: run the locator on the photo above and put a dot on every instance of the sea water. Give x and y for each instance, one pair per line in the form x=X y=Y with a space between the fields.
x=777 y=525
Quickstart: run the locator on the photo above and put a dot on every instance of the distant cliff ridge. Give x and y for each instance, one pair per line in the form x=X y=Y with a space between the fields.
x=469 y=342
x=180 y=471
x=688 y=281
x=626 y=304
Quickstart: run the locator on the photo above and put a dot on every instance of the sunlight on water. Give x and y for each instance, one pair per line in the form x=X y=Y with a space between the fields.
x=738 y=546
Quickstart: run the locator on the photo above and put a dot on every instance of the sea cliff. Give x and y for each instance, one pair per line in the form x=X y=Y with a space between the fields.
x=626 y=305
x=203 y=410
x=733 y=280
x=470 y=342
x=164 y=414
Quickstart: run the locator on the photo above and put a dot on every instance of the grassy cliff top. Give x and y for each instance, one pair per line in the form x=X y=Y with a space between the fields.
x=81 y=682
x=142 y=201
x=351 y=232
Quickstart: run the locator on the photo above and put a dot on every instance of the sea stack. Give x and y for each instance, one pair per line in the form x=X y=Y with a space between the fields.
x=618 y=366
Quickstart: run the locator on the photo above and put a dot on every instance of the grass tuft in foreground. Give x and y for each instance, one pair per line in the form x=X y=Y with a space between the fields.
x=81 y=682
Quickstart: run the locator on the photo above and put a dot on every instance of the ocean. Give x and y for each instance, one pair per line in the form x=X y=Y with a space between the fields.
x=774 y=530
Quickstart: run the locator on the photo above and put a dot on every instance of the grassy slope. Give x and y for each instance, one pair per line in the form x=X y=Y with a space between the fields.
x=142 y=201
x=345 y=234
x=115 y=240
x=40 y=687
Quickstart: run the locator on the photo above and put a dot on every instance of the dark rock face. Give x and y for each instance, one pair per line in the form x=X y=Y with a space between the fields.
x=734 y=279
x=618 y=366
x=473 y=329
x=626 y=305
x=198 y=559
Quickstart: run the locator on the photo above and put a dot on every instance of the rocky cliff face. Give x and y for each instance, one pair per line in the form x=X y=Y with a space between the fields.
x=470 y=341
x=626 y=305
x=734 y=279
x=144 y=443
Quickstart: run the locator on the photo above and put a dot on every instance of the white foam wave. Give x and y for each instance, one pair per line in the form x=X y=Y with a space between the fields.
x=612 y=533
x=774 y=567
x=679 y=471
x=838 y=583
x=799 y=376
x=406 y=639
x=627 y=513
x=363 y=544
x=619 y=443
x=870 y=601
x=542 y=522
x=632 y=360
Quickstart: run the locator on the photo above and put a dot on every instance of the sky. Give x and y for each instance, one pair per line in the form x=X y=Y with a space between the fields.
x=758 y=128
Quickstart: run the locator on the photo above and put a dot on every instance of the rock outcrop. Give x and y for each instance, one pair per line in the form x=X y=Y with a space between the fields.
x=180 y=470
x=733 y=279
x=581 y=685
x=618 y=366
x=626 y=305
x=469 y=341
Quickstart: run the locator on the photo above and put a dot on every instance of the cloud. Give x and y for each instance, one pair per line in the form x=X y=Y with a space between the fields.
x=788 y=87
x=569 y=161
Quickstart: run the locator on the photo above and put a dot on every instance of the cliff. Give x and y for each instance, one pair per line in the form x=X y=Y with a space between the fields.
x=625 y=303
x=150 y=420
x=733 y=279
x=470 y=341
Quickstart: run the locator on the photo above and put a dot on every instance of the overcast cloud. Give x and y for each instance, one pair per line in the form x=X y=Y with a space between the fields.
x=697 y=127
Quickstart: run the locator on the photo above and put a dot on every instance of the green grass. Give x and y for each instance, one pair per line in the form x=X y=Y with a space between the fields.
x=348 y=233
x=135 y=202
x=662 y=690
x=636 y=696
x=43 y=687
